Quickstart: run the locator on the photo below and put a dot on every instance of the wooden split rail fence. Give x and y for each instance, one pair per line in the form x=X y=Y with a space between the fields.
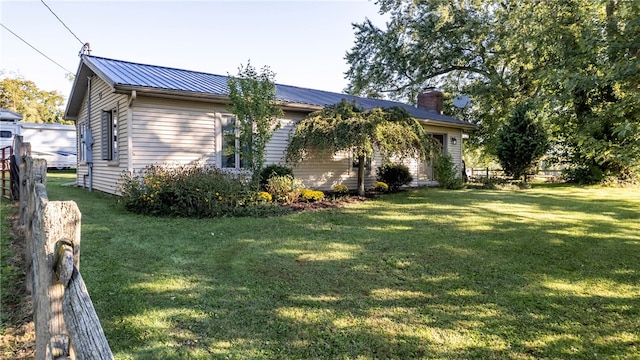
x=67 y=326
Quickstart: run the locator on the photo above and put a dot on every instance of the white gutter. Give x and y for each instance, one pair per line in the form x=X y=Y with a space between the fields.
x=130 y=154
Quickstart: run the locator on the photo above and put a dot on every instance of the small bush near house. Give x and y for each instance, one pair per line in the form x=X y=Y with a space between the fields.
x=190 y=191
x=273 y=170
x=309 y=195
x=394 y=175
x=380 y=187
x=284 y=188
x=445 y=172
x=341 y=190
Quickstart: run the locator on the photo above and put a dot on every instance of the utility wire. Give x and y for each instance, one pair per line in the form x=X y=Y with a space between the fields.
x=34 y=48
x=62 y=22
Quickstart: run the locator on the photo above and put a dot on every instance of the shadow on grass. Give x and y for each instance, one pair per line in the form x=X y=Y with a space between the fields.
x=543 y=273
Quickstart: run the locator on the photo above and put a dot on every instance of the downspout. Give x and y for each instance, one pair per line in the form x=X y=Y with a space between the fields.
x=130 y=131
x=89 y=141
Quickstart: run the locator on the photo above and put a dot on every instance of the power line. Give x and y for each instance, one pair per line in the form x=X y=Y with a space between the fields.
x=34 y=48
x=62 y=22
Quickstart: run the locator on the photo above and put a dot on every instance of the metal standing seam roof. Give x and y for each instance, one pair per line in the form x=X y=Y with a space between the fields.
x=120 y=73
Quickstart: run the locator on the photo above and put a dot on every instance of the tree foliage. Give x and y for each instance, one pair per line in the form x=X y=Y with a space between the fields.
x=35 y=105
x=446 y=172
x=579 y=60
x=521 y=142
x=253 y=102
x=344 y=127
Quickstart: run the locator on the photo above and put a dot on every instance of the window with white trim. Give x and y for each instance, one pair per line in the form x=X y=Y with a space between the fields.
x=109 y=132
x=232 y=150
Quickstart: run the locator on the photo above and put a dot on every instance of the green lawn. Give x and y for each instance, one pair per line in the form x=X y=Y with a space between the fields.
x=549 y=272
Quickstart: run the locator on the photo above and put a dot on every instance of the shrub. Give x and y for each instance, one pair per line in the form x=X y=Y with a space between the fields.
x=521 y=142
x=445 y=172
x=284 y=188
x=189 y=191
x=583 y=175
x=309 y=195
x=394 y=175
x=273 y=170
x=341 y=189
x=263 y=196
x=380 y=187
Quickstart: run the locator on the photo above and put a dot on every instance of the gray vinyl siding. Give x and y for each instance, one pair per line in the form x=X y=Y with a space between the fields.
x=173 y=131
x=275 y=149
x=105 y=172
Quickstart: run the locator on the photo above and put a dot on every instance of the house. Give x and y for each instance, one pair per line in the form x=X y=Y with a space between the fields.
x=131 y=115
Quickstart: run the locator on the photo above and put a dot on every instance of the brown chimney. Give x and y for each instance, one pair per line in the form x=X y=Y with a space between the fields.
x=431 y=100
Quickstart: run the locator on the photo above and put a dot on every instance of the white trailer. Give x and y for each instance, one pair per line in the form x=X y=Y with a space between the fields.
x=56 y=143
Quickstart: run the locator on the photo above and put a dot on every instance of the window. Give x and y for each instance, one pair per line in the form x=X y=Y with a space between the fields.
x=109 y=131
x=6 y=134
x=367 y=163
x=232 y=150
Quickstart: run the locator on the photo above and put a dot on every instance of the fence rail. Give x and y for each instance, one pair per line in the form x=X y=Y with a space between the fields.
x=67 y=326
x=499 y=173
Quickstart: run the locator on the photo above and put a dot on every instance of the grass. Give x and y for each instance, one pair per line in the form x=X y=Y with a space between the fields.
x=16 y=328
x=548 y=272
x=9 y=273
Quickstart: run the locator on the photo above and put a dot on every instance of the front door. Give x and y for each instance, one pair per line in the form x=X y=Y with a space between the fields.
x=425 y=171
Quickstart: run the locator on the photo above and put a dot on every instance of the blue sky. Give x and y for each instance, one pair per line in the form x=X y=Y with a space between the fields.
x=304 y=42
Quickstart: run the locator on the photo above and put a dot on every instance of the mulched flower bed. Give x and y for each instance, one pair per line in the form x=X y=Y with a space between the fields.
x=325 y=204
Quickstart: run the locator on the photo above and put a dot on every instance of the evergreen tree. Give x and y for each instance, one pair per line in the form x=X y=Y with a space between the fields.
x=521 y=142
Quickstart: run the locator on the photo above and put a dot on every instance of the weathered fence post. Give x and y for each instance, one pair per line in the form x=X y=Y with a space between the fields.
x=34 y=172
x=23 y=153
x=67 y=326
x=51 y=222
x=80 y=316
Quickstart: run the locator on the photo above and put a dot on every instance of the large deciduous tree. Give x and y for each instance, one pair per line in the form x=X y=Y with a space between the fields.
x=35 y=105
x=253 y=102
x=578 y=59
x=345 y=128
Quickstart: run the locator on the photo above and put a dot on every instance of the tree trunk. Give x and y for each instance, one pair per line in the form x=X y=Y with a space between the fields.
x=361 y=164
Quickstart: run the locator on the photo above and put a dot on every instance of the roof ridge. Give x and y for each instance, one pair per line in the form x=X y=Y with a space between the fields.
x=154 y=66
x=209 y=73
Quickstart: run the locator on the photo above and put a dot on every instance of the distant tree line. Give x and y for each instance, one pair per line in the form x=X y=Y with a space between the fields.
x=36 y=106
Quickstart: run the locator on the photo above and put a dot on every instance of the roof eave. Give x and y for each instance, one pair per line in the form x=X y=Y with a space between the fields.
x=468 y=126
x=171 y=93
x=78 y=90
